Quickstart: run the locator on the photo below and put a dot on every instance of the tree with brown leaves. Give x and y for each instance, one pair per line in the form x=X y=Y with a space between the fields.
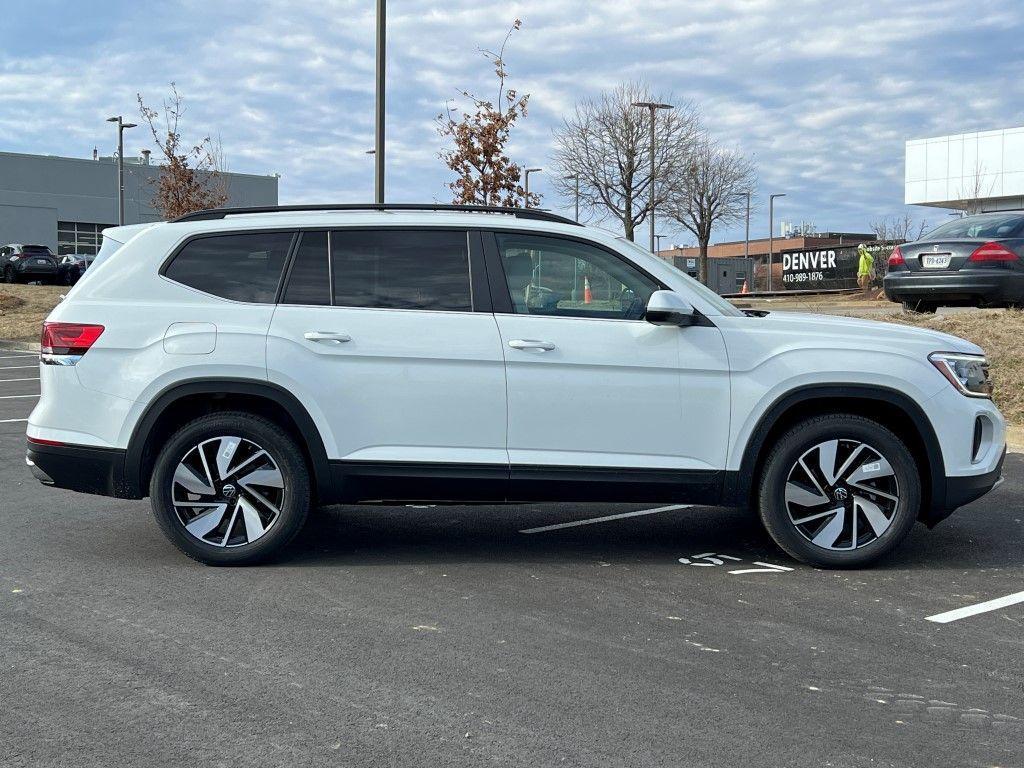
x=191 y=178
x=486 y=176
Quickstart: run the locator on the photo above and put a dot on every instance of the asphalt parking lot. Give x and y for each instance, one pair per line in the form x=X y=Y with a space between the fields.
x=531 y=635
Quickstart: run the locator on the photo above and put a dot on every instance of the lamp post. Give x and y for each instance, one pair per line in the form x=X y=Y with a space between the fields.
x=526 y=188
x=121 y=125
x=657 y=240
x=653 y=106
x=379 y=117
x=576 y=185
x=771 y=233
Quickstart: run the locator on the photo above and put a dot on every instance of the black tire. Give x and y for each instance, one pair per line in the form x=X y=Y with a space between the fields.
x=9 y=275
x=282 y=450
x=924 y=307
x=848 y=429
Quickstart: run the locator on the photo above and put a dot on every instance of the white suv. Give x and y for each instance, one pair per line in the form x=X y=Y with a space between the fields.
x=241 y=366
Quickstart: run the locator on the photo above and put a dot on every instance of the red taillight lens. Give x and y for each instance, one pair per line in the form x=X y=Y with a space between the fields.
x=43 y=441
x=896 y=258
x=68 y=338
x=993 y=252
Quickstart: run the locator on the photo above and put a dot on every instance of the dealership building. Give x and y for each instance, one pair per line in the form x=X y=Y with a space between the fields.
x=975 y=172
x=66 y=202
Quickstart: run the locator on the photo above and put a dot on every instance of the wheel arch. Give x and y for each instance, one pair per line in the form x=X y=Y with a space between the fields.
x=196 y=397
x=889 y=407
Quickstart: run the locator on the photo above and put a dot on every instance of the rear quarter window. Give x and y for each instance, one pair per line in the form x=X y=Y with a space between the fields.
x=240 y=267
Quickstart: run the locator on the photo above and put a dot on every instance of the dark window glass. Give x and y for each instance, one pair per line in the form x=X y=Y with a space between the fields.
x=984 y=225
x=308 y=279
x=401 y=269
x=238 y=267
x=566 y=278
x=36 y=249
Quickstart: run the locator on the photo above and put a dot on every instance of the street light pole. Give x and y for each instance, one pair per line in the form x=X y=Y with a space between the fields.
x=121 y=125
x=527 y=185
x=379 y=118
x=657 y=239
x=653 y=106
x=771 y=233
x=576 y=184
x=746 y=237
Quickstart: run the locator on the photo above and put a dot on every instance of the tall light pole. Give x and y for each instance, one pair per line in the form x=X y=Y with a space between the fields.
x=528 y=171
x=657 y=239
x=379 y=133
x=576 y=184
x=653 y=106
x=771 y=233
x=121 y=125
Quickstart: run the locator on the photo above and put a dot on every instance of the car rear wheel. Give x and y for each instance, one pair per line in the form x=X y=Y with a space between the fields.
x=9 y=275
x=839 y=491
x=230 y=489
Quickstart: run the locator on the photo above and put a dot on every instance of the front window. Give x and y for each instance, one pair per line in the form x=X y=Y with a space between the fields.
x=567 y=278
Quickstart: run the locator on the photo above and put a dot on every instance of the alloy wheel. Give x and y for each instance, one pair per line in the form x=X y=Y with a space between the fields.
x=842 y=495
x=227 y=491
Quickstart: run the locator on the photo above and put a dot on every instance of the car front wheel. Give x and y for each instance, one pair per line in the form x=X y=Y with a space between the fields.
x=230 y=489
x=839 y=491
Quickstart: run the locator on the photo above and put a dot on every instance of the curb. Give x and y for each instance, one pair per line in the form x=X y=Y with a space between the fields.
x=19 y=346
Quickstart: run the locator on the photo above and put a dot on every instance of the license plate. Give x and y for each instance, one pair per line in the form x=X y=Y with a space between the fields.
x=935 y=260
x=42 y=261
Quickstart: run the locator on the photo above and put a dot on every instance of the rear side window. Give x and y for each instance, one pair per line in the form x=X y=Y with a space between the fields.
x=242 y=267
x=309 y=277
x=401 y=269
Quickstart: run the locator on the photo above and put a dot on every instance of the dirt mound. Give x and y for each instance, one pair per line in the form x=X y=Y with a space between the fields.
x=8 y=302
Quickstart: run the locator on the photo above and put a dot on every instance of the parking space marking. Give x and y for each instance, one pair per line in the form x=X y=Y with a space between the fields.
x=12 y=397
x=5 y=381
x=974 y=610
x=605 y=518
x=18 y=357
x=10 y=421
x=16 y=367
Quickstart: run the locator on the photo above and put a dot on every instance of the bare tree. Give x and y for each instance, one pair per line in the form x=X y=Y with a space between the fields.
x=486 y=176
x=710 y=190
x=898 y=229
x=191 y=177
x=975 y=189
x=605 y=144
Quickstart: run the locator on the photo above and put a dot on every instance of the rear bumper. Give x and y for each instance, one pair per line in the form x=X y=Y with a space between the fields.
x=990 y=285
x=81 y=468
x=38 y=270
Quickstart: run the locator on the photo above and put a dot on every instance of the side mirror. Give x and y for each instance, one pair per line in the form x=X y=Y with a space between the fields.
x=669 y=308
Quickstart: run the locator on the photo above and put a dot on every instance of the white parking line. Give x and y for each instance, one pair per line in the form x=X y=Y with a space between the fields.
x=18 y=357
x=14 y=397
x=974 y=610
x=16 y=367
x=5 y=381
x=11 y=421
x=605 y=519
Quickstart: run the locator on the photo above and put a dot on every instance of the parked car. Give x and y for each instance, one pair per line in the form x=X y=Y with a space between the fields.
x=240 y=367
x=973 y=260
x=25 y=263
x=71 y=267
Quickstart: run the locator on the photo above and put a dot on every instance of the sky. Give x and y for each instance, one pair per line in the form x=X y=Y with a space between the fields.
x=822 y=95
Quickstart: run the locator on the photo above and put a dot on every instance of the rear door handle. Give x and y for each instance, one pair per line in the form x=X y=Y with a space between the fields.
x=327 y=336
x=543 y=346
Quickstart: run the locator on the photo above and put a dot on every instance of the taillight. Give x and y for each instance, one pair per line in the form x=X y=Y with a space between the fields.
x=43 y=441
x=896 y=258
x=67 y=340
x=993 y=252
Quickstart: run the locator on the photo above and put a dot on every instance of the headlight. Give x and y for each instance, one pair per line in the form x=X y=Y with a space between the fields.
x=968 y=373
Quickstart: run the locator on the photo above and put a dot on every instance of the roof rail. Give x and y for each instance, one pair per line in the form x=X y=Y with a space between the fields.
x=522 y=213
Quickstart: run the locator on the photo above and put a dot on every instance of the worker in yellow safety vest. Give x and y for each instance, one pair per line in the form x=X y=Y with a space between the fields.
x=865 y=267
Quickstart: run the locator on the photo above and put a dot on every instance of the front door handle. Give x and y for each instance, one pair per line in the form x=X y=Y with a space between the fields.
x=338 y=338
x=543 y=346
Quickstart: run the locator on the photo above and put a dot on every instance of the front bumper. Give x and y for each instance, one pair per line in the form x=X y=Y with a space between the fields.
x=987 y=286
x=965 y=489
x=80 y=468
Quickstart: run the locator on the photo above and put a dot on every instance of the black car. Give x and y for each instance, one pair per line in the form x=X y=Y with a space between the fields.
x=25 y=263
x=974 y=260
x=72 y=267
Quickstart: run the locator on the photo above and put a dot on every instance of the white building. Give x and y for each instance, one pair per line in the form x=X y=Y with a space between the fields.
x=975 y=172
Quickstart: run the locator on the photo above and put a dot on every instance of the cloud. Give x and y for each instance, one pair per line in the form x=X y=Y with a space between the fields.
x=823 y=95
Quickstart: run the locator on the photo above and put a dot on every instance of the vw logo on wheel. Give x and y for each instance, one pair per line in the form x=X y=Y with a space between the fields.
x=230 y=491
x=840 y=494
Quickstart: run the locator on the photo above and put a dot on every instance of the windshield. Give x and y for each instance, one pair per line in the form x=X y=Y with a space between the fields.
x=724 y=306
x=987 y=226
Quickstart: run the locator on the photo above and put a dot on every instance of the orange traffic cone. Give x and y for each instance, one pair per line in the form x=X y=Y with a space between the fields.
x=744 y=289
x=588 y=295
